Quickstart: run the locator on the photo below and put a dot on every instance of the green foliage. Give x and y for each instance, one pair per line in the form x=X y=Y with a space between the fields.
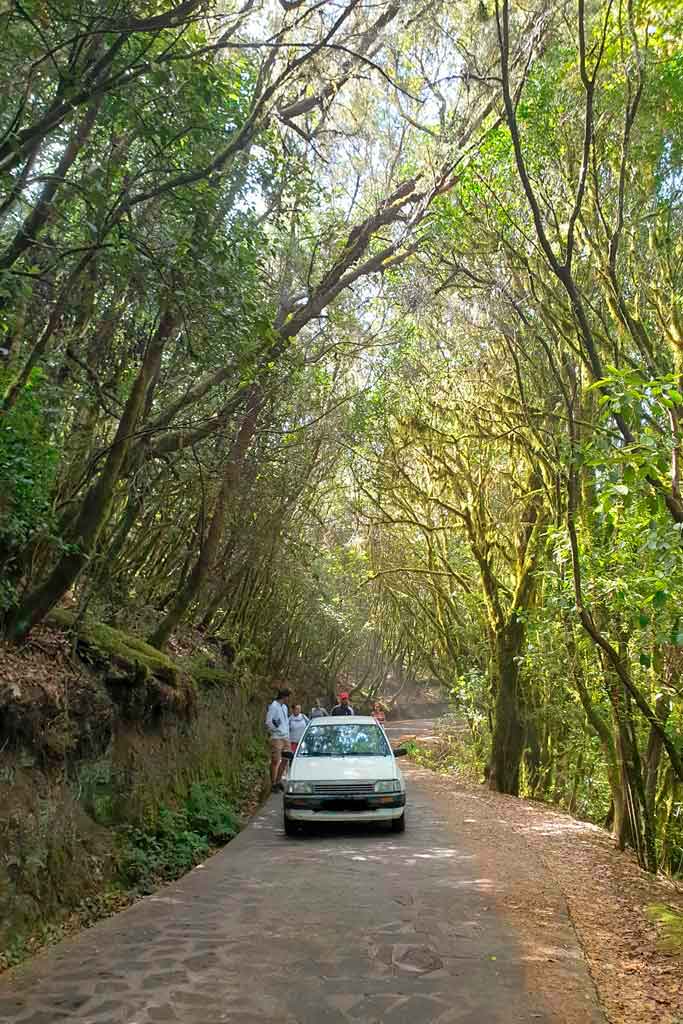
x=161 y=852
x=209 y=813
x=28 y=462
x=451 y=755
x=384 y=494
x=470 y=696
x=177 y=839
x=96 y=790
x=670 y=922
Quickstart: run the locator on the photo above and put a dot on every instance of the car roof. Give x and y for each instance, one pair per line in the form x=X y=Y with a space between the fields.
x=344 y=720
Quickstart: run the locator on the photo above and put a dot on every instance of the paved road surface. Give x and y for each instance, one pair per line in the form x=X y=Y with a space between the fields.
x=339 y=927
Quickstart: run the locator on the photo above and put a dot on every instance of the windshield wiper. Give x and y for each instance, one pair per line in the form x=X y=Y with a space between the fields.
x=355 y=753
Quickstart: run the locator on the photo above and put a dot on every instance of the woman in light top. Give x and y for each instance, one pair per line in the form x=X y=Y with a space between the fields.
x=378 y=713
x=297 y=725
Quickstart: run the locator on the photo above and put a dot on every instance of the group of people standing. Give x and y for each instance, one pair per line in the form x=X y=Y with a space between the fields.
x=285 y=730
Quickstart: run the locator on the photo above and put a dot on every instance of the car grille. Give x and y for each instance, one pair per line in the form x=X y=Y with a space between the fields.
x=343 y=789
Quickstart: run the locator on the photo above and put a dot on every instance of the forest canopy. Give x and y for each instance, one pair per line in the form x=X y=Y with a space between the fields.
x=350 y=334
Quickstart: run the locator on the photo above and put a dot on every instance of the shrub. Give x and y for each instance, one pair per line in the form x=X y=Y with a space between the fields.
x=450 y=754
x=210 y=814
x=161 y=851
x=177 y=839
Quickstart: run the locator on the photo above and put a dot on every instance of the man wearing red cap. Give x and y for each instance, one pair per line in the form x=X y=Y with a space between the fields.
x=343 y=707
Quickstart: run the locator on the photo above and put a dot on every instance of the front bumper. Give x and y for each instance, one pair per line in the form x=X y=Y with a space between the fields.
x=344 y=808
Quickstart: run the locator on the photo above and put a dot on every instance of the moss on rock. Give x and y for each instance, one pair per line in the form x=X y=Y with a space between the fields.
x=142 y=681
x=129 y=661
x=208 y=675
x=119 y=649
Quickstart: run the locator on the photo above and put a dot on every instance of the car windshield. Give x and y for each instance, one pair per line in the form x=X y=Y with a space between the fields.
x=343 y=740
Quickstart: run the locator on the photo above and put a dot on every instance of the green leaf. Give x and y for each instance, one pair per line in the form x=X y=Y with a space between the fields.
x=645 y=660
x=597 y=384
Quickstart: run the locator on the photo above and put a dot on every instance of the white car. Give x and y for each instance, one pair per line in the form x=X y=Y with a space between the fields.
x=344 y=770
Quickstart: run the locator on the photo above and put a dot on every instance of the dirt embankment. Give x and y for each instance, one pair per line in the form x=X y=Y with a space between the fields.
x=96 y=735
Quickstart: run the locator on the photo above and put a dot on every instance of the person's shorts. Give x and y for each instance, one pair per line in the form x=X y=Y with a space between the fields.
x=277 y=746
x=294 y=746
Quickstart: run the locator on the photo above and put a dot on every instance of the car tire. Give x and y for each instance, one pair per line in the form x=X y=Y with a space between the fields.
x=291 y=827
x=399 y=824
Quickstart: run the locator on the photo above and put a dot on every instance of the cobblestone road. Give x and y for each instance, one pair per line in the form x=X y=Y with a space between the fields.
x=340 y=927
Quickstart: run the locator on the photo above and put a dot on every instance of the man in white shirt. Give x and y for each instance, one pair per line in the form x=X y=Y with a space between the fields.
x=277 y=724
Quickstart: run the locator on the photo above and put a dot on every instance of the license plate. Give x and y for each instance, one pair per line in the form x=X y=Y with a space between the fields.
x=345 y=805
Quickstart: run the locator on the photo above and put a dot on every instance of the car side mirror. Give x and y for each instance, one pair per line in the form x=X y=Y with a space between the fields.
x=400 y=752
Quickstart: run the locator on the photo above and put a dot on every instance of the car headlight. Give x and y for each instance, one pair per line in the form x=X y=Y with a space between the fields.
x=299 y=787
x=388 y=786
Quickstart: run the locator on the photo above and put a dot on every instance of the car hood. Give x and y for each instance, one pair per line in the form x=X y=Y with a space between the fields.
x=343 y=769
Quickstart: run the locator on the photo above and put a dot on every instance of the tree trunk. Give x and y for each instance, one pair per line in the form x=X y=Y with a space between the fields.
x=196 y=534
x=96 y=505
x=16 y=386
x=616 y=817
x=671 y=860
x=210 y=545
x=623 y=824
x=222 y=589
x=45 y=204
x=672 y=665
x=636 y=827
x=578 y=775
x=533 y=761
x=653 y=755
x=508 y=730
